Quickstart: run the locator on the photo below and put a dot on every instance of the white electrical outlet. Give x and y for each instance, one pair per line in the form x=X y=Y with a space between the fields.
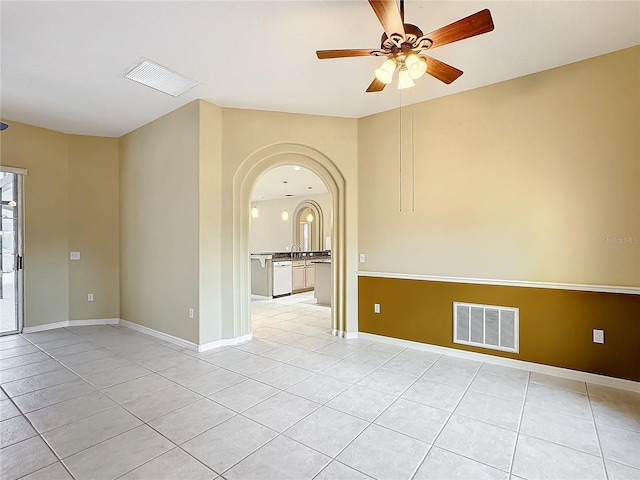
x=376 y=308
x=598 y=336
x=90 y=297
x=362 y=257
x=191 y=313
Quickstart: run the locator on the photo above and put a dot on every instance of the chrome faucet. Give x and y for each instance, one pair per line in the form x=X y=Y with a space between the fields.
x=296 y=245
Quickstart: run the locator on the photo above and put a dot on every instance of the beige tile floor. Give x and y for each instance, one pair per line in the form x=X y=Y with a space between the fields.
x=106 y=402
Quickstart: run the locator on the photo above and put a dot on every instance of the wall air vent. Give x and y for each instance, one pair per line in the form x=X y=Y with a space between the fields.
x=486 y=326
x=159 y=78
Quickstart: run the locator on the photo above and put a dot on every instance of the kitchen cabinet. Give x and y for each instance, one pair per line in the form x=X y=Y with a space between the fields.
x=309 y=274
x=262 y=275
x=323 y=286
x=298 y=270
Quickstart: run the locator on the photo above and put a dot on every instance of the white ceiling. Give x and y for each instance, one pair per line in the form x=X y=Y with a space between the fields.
x=62 y=63
x=270 y=185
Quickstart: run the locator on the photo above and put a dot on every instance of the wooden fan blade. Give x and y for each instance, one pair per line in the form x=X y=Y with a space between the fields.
x=342 y=53
x=389 y=16
x=470 y=26
x=440 y=70
x=376 y=86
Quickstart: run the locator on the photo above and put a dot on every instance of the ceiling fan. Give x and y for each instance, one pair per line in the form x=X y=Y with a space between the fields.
x=404 y=45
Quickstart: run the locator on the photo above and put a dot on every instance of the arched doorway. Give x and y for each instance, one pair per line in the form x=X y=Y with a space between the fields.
x=311 y=238
x=243 y=183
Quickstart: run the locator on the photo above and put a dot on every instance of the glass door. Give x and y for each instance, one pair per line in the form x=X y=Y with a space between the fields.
x=11 y=262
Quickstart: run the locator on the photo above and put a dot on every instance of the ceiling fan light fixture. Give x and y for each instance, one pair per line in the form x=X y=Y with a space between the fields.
x=416 y=65
x=404 y=80
x=386 y=70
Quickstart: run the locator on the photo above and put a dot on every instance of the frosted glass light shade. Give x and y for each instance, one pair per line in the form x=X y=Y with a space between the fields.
x=310 y=218
x=385 y=72
x=255 y=212
x=404 y=80
x=285 y=215
x=416 y=65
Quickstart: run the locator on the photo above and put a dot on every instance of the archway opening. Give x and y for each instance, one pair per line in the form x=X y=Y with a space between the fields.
x=290 y=248
x=245 y=180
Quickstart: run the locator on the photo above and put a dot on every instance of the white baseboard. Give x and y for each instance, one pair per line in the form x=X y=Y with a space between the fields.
x=185 y=343
x=158 y=334
x=142 y=329
x=226 y=342
x=346 y=335
x=509 y=362
x=71 y=323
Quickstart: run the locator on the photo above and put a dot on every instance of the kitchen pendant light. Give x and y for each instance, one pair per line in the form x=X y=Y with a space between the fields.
x=285 y=214
x=254 y=211
x=310 y=218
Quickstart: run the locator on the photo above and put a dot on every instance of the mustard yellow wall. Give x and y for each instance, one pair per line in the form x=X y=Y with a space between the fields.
x=555 y=325
x=527 y=179
x=71 y=203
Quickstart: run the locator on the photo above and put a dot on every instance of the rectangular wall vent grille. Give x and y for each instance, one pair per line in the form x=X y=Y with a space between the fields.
x=486 y=326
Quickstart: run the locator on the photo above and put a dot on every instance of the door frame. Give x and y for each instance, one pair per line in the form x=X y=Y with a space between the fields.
x=20 y=173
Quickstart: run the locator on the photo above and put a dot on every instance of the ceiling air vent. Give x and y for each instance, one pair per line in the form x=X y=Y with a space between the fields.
x=159 y=78
x=486 y=326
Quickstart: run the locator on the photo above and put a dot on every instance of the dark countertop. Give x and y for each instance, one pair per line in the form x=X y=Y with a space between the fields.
x=284 y=255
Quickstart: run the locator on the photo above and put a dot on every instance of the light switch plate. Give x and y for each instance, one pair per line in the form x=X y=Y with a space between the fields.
x=376 y=308
x=362 y=257
x=74 y=256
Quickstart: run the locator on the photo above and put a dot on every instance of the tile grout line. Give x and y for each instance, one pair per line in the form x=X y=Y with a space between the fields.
x=41 y=437
x=435 y=439
x=515 y=445
x=595 y=426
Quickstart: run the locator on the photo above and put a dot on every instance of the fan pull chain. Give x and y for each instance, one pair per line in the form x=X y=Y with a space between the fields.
x=413 y=158
x=413 y=165
x=400 y=156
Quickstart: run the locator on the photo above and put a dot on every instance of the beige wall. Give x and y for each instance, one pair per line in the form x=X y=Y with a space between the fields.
x=521 y=180
x=71 y=203
x=269 y=233
x=94 y=227
x=159 y=214
x=248 y=131
x=176 y=234
x=210 y=222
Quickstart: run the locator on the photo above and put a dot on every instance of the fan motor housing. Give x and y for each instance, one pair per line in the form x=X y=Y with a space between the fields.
x=413 y=39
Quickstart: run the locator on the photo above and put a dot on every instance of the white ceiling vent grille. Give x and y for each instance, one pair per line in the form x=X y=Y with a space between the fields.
x=159 y=78
x=486 y=326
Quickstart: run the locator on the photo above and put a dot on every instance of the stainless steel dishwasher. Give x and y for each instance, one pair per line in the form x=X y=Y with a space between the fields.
x=282 y=278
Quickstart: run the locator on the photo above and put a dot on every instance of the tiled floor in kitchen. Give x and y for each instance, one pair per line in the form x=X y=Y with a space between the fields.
x=102 y=402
